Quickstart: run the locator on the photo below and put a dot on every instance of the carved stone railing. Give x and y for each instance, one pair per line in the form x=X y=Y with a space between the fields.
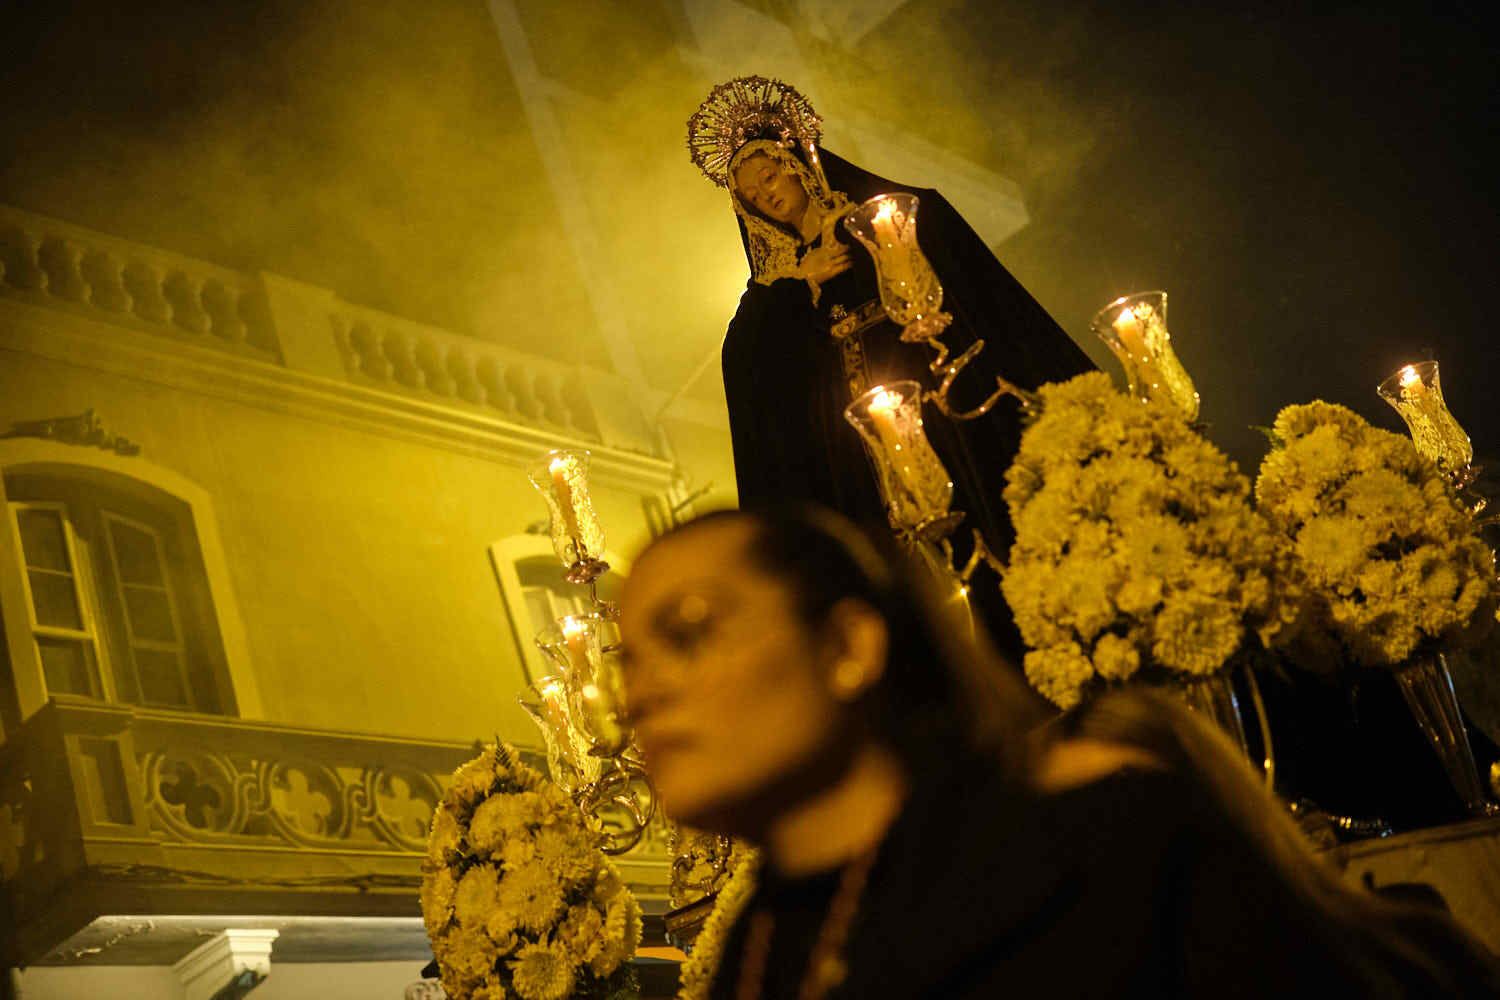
x=118 y=280
x=108 y=809
x=303 y=331
x=391 y=353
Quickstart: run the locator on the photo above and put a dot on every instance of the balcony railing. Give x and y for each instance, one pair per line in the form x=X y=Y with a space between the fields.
x=307 y=330
x=149 y=288
x=108 y=809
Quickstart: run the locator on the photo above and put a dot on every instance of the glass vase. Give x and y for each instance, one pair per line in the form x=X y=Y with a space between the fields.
x=1415 y=392
x=561 y=477
x=1211 y=696
x=917 y=488
x=1216 y=699
x=1428 y=689
x=909 y=288
x=1134 y=327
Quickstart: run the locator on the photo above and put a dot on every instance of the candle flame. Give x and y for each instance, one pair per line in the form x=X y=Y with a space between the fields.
x=886 y=210
x=572 y=626
x=885 y=400
x=1409 y=377
x=551 y=689
x=557 y=465
x=1127 y=315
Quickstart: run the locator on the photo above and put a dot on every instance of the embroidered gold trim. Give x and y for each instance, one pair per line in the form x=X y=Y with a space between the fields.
x=843 y=322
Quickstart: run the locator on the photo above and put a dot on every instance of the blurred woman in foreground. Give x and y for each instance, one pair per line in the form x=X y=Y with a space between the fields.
x=925 y=834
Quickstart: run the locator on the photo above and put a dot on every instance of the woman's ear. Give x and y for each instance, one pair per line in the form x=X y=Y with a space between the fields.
x=859 y=642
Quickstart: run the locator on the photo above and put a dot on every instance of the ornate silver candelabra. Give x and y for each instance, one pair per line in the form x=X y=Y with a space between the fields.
x=580 y=706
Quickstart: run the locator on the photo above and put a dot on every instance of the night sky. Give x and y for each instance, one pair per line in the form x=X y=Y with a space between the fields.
x=1314 y=189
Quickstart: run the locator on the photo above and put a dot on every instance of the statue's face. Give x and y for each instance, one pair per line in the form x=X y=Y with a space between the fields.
x=771 y=189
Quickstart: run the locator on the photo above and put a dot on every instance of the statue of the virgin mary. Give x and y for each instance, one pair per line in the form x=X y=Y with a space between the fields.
x=810 y=335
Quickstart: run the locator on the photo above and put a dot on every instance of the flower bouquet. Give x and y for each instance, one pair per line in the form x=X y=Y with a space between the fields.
x=517 y=898
x=1395 y=576
x=1136 y=547
x=1391 y=562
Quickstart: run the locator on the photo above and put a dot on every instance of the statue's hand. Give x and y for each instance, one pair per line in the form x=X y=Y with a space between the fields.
x=824 y=261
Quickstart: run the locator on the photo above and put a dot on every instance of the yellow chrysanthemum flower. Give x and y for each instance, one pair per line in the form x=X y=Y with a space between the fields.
x=542 y=971
x=438 y=888
x=1196 y=634
x=446 y=835
x=504 y=817
x=467 y=955
x=569 y=857
x=1115 y=658
x=533 y=894
x=582 y=932
x=1059 y=673
x=476 y=779
x=477 y=895
x=501 y=928
x=622 y=934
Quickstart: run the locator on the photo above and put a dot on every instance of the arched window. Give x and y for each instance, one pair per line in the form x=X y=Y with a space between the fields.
x=116 y=593
x=113 y=586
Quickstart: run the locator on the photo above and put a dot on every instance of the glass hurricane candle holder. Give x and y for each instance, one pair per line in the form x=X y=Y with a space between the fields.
x=1415 y=393
x=568 y=760
x=909 y=288
x=577 y=537
x=917 y=488
x=1135 y=328
x=596 y=699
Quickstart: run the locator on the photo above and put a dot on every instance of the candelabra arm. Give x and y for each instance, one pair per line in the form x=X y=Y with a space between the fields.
x=981 y=554
x=616 y=786
x=950 y=372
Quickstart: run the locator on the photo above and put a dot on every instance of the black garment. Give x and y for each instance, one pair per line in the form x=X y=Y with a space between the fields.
x=1127 y=887
x=786 y=389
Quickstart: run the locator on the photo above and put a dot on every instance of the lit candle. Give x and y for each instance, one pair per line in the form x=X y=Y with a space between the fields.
x=882 y=410
x=555 y=710
x=576 y=635
x=886 y=224
x=1412 y=385
x=1128 y=327
x=601 y=717
x=559 y=470
x=1132 y=334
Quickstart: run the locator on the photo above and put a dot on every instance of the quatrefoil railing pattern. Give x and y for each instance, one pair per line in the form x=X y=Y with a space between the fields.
x=220 y=798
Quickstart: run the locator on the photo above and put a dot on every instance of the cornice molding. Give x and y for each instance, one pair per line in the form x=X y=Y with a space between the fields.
x=65 y=334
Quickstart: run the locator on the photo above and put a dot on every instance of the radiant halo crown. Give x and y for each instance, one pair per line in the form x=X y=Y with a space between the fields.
x=746 y=108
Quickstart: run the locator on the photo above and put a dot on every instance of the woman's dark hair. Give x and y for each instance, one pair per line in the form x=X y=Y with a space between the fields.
x=944 y=689
x=1381 y=940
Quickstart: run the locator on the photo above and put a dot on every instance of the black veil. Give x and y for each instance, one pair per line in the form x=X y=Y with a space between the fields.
x=785 y=382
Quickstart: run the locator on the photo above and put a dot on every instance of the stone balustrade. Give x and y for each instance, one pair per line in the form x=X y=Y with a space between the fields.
x=310 y=331
x=110 y=809
x=391 y=353
x=59 y=263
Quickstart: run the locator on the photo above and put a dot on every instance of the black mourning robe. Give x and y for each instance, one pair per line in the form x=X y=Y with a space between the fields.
x=785 y=381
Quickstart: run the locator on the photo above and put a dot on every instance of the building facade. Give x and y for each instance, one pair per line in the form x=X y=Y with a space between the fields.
x=270 y=567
